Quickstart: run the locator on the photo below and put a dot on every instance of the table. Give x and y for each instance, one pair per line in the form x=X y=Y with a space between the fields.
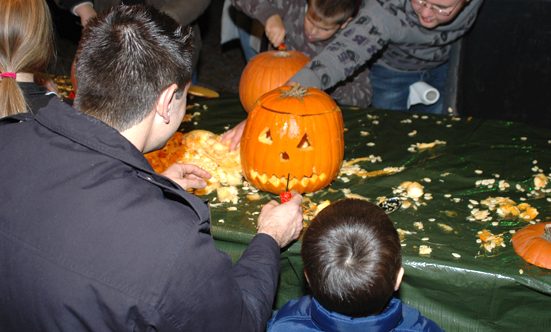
x=459 y=285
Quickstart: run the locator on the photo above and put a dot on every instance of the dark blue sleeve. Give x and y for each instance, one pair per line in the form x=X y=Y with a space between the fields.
x=412 y=318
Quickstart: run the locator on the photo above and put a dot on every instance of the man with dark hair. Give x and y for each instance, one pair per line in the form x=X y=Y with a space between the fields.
x=134 y=63
x=91 y=238
x=352 y=261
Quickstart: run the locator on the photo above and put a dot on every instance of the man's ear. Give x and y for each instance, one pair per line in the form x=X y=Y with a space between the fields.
x=345 y=23
x=163 y=103
x=399 y=278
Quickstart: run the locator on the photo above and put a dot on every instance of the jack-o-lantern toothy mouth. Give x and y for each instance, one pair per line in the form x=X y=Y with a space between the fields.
x=276 y=182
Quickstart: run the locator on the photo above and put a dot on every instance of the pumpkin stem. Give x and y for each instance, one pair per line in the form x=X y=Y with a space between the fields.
x=296 y=91
x=547 y=232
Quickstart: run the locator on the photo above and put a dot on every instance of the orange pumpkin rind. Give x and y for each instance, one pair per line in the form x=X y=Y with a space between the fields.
x=267 y=71
x=533 y=243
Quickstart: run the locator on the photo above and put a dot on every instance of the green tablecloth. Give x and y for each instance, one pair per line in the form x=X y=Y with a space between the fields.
x=459 y=285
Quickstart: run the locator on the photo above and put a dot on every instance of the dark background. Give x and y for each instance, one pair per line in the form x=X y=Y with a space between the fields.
x=219 y=68
x=505 y=63
x=504 y=68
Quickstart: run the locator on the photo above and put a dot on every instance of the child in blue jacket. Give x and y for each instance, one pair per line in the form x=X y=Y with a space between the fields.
x=353 y=264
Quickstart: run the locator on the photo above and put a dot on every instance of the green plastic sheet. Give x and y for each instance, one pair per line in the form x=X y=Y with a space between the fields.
x=460 y=285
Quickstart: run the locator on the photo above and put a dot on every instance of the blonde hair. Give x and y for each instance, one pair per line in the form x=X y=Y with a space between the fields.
x=26 y=45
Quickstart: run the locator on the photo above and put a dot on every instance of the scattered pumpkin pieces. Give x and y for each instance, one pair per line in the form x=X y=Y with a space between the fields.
x=414 y=189
x=253 y=196
x=445 y=227
x=204 y=149
x=425 y=249
x=508 y=209
x=352 y=168
x=540 y=181
x=423 y=146
x=489 y=240
x=227 y=194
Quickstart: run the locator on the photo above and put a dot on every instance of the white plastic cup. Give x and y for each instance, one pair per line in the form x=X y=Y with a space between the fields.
x=422 y=93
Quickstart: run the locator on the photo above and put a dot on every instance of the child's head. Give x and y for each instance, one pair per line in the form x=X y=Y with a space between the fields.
x=325 y=17
x=352 y=258
x=26 y=45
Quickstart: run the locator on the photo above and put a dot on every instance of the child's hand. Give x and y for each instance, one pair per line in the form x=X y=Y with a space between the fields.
x=275 y=30
x=234 y=135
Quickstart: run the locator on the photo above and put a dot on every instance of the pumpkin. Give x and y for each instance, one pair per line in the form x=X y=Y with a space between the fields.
x=293 y=135
x=267 y=71
x=533 y=243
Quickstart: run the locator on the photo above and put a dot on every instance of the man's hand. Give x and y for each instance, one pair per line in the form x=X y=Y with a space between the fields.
x=187 y=176
x=275 y=30
x=283 y=222
x=290 y=83
x=234 y=135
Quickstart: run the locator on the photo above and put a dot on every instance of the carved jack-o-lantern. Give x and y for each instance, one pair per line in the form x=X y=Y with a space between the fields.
x=295 y=132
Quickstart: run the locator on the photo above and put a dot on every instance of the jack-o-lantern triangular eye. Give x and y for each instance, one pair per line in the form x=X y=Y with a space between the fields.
x=265 y=136
x=304 y=142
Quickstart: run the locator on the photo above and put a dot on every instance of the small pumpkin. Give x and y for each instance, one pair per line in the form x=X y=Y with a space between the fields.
x=267 y=71
x=533 y=243
x=294 y=135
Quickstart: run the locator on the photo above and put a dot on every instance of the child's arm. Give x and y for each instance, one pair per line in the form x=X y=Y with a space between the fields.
x=363 y=37
x=261 y=10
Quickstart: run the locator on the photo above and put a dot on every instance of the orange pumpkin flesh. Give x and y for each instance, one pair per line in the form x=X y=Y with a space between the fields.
x=293 y=131
x=267 y=71
x=533 y=243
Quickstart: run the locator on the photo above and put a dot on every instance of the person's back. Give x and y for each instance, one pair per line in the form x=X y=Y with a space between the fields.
x=352 y=261
x=91 y=238
x=100 y=237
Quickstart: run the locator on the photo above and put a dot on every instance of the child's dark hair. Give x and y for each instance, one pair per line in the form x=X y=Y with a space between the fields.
x=333 y=11
x=352 y=255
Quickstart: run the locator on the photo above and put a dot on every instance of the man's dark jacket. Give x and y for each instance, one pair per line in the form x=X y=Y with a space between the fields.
x=91 y=238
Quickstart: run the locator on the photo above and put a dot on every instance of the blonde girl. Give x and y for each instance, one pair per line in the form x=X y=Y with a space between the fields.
x=26 y=46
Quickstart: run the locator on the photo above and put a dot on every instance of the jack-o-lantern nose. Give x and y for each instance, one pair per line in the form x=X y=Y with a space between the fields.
x=284 y=156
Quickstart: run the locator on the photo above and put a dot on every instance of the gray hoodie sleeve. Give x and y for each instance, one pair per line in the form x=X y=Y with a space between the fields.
x=352 y=47
x=261 y=10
